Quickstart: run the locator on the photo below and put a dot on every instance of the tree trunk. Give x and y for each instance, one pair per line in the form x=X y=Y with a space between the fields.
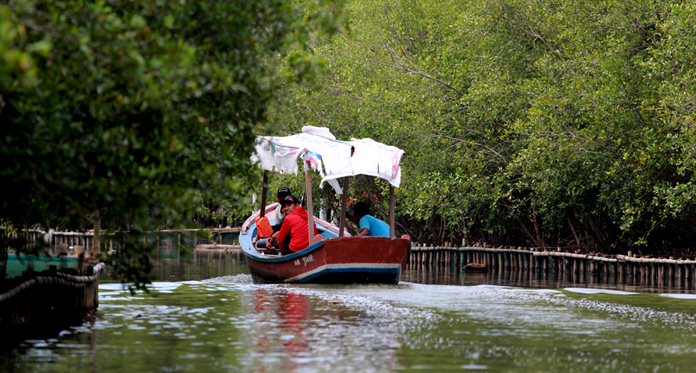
x=97 y=230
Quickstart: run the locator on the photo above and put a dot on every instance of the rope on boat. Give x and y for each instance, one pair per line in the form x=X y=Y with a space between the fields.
x=58 y=278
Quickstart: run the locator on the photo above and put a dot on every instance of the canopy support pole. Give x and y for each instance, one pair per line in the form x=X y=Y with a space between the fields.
x=310 y=208
x=344 y=201
x=392 y=219
x=264 y=192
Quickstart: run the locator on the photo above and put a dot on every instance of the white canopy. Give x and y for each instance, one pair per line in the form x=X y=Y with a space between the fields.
x=332 y=158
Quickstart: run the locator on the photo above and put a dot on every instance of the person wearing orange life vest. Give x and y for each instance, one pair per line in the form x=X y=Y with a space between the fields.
x=278 y=219
x=295 y=226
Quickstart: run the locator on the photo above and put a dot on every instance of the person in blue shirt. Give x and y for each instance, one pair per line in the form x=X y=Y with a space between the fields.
x=369 y=225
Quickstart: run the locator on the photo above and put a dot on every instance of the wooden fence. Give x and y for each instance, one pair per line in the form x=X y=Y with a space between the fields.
x=623 y=268
x=163 y=238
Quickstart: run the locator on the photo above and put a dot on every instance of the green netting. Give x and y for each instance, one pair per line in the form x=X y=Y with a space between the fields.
x=189 y=240
x=230 y=238
x=3 y=265
x=16 y=264
x=151 y=239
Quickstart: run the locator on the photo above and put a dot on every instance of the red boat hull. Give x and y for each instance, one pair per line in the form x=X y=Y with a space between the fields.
x=337 y=261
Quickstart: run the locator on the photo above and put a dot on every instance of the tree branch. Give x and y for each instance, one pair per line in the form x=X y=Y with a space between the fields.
x=477 y=144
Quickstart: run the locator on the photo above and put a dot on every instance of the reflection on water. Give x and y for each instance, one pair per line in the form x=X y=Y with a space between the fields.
x=534 y=279
x=295 y=331
x=200 y=265
x=279 y=330
x=227 y=323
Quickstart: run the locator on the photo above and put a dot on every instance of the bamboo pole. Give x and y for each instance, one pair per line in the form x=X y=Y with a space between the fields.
x=344 y=202
x=310 y=207
x=392 y=221
x=264 y=194
x=431 y=258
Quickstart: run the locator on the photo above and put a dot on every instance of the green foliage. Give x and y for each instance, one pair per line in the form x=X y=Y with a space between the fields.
x=139 y=110
x=560 y=123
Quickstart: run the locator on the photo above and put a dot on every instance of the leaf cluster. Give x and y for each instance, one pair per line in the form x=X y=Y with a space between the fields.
x=561 y=123
x=135 y=112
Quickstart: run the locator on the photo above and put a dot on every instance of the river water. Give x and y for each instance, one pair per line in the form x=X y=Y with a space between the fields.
x=205 y=315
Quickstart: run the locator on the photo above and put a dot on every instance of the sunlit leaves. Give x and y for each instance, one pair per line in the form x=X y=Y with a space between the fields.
x=575 y=119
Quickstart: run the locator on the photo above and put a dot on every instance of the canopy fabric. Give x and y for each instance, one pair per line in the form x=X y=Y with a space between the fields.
x=377 y=159
x=332 y=158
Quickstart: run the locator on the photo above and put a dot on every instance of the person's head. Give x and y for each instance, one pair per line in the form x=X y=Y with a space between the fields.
x=290 y=203
x=282 y=193
x=361 y=209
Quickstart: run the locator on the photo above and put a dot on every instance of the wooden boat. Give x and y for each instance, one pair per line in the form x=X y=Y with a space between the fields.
x=335 y=257
x=332 y=260
x=475 y=268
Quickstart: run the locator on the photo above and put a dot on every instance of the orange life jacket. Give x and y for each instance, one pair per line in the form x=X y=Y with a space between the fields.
x=263 y=227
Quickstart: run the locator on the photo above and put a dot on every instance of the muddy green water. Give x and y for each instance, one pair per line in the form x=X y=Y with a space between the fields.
x=205 y=315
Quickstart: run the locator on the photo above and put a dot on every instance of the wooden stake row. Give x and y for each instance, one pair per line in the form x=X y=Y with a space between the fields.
x=624 y=268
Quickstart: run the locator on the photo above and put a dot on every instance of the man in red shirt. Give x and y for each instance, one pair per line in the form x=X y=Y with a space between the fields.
x=295 y=225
